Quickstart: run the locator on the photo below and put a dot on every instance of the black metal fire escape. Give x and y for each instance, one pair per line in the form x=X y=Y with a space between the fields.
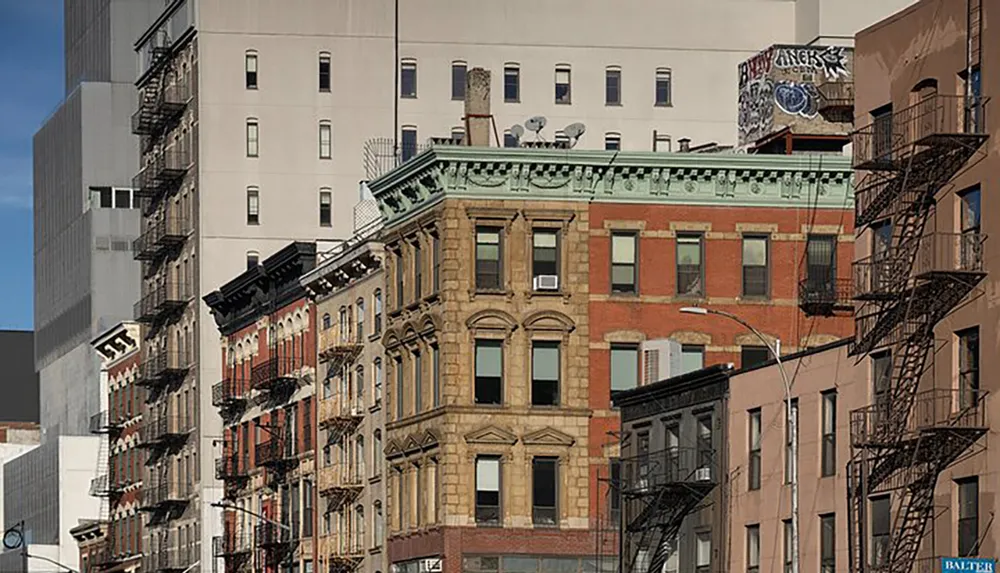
x=914 y=277
x=658 y=491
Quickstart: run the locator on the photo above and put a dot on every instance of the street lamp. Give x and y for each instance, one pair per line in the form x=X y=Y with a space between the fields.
x=222 y=505
x=793 y=418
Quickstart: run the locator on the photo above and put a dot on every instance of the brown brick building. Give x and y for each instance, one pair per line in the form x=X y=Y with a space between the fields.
x=266 y=399
x=524 y=286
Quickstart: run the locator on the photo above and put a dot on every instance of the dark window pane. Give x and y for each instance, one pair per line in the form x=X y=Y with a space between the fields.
x=753 y=355
x=458 y=81
x=545 y=365
x=105 y=198
x=324 y=74
x=612 y=87
x=123 y=199
x=408 y=144
x=489 y=372
x=488 y=258
x=511 y=84
x=408 y=80
x=544 y=491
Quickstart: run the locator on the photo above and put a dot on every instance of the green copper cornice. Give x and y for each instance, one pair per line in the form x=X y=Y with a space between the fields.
x=717 y=179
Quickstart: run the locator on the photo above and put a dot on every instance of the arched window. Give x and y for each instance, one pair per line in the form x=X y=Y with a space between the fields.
x=361 y=318
x=326 y=321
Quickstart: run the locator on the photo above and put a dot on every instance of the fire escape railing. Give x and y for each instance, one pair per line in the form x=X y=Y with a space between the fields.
x=913 y=278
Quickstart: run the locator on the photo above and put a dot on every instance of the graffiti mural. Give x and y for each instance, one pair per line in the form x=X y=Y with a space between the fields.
x=777 y=88
x=831 y=61
x=756 y=108
x=797 y=98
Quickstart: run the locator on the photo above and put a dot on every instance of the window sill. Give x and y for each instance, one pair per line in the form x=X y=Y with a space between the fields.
x=545 y=406
x=490 y=405
x=491 y=525
x=512 y=101
x=545 y=526
x=491 y=293
x=375 y=479
x=690 y=297
x=663 y=105
x=622 y=294
x=375 y=550
x=607 y=104
x=563 y=102
x=405 y=96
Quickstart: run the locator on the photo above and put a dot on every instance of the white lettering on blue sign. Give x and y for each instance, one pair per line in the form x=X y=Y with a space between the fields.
x=967 y=565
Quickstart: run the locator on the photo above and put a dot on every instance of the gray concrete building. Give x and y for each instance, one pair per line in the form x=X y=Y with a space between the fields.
x=85 y=220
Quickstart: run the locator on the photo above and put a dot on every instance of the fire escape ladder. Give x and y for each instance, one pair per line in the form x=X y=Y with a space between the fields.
x=975 y=31
x=910 y=524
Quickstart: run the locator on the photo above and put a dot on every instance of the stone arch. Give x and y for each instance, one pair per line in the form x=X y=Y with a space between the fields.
x=750 y=339
x=625 y=336
x=491 y=319
x=549 y=320
x=691 y=337
x=814 y=340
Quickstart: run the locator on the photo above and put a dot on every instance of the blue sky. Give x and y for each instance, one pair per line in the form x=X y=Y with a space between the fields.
x=31 y=65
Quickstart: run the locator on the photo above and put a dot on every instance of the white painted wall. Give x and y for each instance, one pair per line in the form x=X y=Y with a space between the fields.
x=77 y=466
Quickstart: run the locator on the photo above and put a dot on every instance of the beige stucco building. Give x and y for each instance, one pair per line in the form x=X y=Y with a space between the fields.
x=347 y=287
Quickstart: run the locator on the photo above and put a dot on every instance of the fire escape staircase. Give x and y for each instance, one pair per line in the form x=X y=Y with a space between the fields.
x=908 y=437
x=658 y=491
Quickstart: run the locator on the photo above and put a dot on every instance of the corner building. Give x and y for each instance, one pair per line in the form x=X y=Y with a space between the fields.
x=511 y=318
x=266 y=400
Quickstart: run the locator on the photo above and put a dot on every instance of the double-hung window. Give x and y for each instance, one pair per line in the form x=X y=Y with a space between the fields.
x=544 y=480
x=488 y=490
x=828 y=457
x=689 y=266
x=545 y=373
x=753 y=477
x=624 y=275
x=489 y=372
x=755 y=267
x=545 y=259
x=489 y=250
x=968 y=367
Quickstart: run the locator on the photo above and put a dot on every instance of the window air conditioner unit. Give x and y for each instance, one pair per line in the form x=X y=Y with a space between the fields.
x=703 y=474
x=661 y=359
x=546 y=282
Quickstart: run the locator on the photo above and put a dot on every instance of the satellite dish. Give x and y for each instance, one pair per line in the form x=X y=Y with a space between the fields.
x=574 y=130
x=536 y=123
x=517 y=130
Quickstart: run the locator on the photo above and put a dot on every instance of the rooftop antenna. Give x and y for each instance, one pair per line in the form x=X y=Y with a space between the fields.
x=536 y=124
x=573 y=131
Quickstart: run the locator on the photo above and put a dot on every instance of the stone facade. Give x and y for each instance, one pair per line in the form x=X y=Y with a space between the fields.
x=448 y=204
x=348 y=288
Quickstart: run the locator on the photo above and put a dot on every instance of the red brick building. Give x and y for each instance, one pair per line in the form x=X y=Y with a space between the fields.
x=266 y=399
x=119 y=482
x=580 y=261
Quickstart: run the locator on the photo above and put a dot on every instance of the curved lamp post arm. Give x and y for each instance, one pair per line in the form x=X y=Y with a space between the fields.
x=263 y=518
x=792 y=416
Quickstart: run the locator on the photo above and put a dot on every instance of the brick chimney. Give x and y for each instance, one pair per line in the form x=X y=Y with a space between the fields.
x=478 y=119
x=685 y=144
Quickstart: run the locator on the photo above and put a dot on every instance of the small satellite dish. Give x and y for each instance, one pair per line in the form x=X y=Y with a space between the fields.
x=574 y=130
x=536 y=123
x=517 y=130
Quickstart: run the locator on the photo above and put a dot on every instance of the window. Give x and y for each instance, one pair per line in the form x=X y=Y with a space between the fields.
x=689 y=267
x=509 y=140
x=661 y=142
x=359 y=306
x=377 y=309
x=105 y=198
x=881 y=244
x=612 y=141
x=968 y=367
x=418 y=382
x=821 y=261
x=511 y=83
x=325 y=146
x=253 y=206
x=378 y=524
x=971 y=241
x=664 y=87
x=753 y=548
x=435 y=375
x=123 y=199
x=400 y=388
x=881 y=379
x=458 y=80
x=563 y=84
x=324 y=72
x=253 y=134
x=489 y=372
x=624 y=367
x=250 y=66
x=613 y=86
x=325 y=208
x=544 y=472
x=755 y=268
x=545 y=373
x=307 y=508
x=418 y=271
x=703 y=552
x=828 y=543
x=545 y=257
x=457 y=135
x=787 y=544
x=624 y=275
x=789 y=458
x=488 y=262
x=880 y=526
x=968 y=517
x=408 y=79
x=828 y=459
x=377 y=365
x=488 y=490
x=436 y=263
x=704 y=449
x=615 y=495
x=753 y=478
x=253 y=258
x=753 y=355
x=692 y=357
x=400 y=278
x=408 y=143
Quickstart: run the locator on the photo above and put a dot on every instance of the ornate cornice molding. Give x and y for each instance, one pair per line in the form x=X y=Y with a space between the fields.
x=794 y=181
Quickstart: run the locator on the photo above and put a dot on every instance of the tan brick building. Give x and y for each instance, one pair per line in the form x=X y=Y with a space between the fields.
x=512 y=316
x=347 y=287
